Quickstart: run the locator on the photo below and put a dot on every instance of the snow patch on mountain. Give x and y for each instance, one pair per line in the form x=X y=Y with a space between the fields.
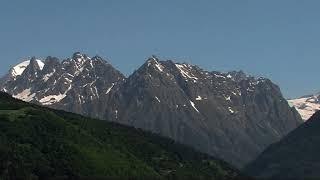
x=19 y=68
x=185 y=72
x=219 y=76
x=47 y=76
x=155 y=63
x=306 y=106
x=157 y=99
x=40 y=63
x=52 y=99
x=25 y=95
x=159 y=66
x=194 y=107
x=109 y=89
x=228 y=98
x=230 y=110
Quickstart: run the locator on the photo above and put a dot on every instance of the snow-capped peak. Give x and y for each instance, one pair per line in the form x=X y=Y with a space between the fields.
x=19 y=68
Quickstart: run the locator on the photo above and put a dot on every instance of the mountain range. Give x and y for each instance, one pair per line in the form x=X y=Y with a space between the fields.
x=232 y=116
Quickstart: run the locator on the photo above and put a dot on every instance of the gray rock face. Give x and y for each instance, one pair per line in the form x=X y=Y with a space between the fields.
x=229 y=115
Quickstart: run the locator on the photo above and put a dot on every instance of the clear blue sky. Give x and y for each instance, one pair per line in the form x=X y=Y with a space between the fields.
x=278 y=39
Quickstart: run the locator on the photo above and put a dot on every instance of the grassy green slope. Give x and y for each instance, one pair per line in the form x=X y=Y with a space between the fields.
x=37 y=142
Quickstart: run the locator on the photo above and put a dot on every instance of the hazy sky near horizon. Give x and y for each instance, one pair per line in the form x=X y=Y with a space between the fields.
x=278 y=39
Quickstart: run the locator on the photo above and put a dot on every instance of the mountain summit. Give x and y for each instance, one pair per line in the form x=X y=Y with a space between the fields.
x=230 y=115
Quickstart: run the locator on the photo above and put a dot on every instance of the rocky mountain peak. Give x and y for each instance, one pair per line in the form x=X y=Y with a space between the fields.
x=154 y=63
x=51 y=64
x=238 y=75
x=35 y=64
x=18 y=69
x=99 y=59
x=51 y=60
x=79 y=57
x=153 y=58
x=169 y=69
x=76 y=62
x=33 y=69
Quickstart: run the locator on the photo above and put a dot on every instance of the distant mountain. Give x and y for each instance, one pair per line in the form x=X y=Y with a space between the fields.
x=37 y=142
x=74 y=85
x=294 y=157
x=231 y=115
x=306 y=105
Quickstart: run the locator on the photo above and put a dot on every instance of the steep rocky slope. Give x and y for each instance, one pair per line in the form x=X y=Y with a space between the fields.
x=295 y=157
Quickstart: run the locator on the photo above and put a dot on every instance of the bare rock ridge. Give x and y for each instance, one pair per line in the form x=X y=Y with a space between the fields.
x=229 y=115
